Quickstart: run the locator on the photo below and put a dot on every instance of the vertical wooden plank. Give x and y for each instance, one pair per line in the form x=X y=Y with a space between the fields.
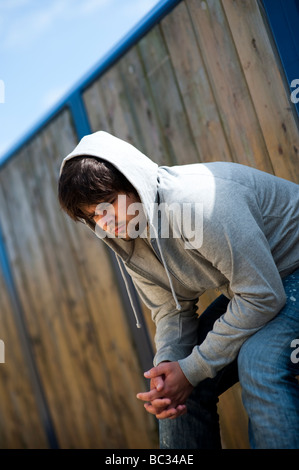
x=38 y=294
x=116 y=106
x=142 y=108
x=233 y=419
x=170 y=108
x=271 y=101
x=18 y=409
x=95 y=107
x=128 y=94
x=20 y=389
x=192 y=79
x=229 y=86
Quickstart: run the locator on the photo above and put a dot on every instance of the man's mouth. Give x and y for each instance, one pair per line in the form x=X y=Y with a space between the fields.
x=119 y=228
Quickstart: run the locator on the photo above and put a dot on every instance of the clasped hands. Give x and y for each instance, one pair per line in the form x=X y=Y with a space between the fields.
x=169 y=390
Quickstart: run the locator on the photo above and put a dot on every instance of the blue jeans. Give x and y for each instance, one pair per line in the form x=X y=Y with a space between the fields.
x=268 y=374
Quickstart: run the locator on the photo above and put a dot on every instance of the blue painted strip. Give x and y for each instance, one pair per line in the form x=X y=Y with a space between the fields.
x=144 y=26
x=79 y=115
x=283 y=18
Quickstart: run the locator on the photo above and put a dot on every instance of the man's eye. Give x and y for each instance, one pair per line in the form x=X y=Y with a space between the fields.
x=91 y=218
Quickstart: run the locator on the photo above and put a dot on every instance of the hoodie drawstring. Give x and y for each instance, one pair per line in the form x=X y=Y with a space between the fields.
x=178 y=305
x=128 y=287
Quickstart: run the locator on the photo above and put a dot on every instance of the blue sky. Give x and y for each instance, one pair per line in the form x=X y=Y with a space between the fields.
x=47 y=46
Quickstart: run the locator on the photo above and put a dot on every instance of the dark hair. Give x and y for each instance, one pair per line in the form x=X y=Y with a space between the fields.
x=87 y=180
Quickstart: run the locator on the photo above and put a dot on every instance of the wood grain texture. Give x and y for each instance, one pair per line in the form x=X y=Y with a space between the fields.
x=194 y=86
x=263 y=77
x=229 y=86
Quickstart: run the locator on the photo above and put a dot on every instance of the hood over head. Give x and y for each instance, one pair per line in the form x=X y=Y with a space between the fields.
x=139 y=170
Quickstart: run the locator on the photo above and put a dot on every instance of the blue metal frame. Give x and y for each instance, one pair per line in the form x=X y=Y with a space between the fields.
x=283 y=19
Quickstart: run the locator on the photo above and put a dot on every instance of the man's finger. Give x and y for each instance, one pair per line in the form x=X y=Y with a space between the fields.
x=161 y=402
x=180 y=410
x=166 y=414
x=158 y=383
x=172 y=413
x=161 y=413
x=148 y=396
x=155 y=371
x=153 y=409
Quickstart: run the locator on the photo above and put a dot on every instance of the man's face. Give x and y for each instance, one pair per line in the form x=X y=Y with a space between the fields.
x=119 y=217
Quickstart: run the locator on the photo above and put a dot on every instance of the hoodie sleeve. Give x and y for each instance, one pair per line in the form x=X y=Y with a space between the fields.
x=176 y=331
x=235 y=243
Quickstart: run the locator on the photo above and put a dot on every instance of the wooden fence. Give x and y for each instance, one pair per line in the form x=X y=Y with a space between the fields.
x=203 y=85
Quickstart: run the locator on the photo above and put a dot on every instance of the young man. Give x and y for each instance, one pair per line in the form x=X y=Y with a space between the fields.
x=182 y=230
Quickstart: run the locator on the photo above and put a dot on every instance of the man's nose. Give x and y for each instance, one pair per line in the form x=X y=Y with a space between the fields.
x=106 y=222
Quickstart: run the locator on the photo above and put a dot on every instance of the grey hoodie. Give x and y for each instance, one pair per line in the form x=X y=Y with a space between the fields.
x=250 y=241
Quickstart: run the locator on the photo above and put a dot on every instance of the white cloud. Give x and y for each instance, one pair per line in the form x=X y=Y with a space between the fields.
x=24 y=30
x=26 y=21
x=38 y=18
